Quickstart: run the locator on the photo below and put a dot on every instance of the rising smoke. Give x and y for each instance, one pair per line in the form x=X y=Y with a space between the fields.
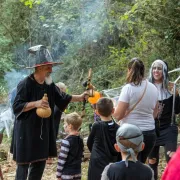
x=14 y=77
x=62 y=34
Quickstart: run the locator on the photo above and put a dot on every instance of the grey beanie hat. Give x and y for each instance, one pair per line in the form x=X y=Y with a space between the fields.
x=133 y=134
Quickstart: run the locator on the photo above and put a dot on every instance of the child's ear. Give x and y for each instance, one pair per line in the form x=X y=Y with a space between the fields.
x=117 y=148
x=113 y=110
x=143 y=145
x=70 y=126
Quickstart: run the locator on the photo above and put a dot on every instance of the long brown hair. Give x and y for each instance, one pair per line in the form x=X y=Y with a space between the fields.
x=136 y=71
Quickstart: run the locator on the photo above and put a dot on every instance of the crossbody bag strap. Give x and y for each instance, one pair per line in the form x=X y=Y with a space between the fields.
x=128 y=112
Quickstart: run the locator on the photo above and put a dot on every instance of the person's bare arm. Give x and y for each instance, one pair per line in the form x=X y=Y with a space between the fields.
x=76 y=98
x=121 y=110
x=81 y=97
x=36 y=104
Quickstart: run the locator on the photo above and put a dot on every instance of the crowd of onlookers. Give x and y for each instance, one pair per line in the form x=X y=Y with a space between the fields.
x=124 y=141
x=129 y=149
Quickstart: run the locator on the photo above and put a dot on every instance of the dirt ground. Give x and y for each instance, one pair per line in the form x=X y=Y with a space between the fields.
x=9 y=168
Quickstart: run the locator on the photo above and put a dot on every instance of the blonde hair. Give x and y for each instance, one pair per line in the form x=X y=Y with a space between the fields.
x=74 y=119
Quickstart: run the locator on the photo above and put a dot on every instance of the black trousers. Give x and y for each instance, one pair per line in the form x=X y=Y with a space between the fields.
x=33 y=171
x=155 y=155
x=57 y=120
x=168 y=139
x=149 y=141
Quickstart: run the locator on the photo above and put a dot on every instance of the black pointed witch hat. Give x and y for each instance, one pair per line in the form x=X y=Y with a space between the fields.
x=40 y=56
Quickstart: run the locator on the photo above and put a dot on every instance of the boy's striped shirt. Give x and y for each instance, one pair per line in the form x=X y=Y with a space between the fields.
x=62 y=156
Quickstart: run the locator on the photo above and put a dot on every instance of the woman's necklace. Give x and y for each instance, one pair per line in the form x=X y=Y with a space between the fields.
x=160 y=108
x=160 y=98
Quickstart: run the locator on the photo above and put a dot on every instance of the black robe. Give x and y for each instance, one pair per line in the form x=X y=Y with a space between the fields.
x=34 y=138
x=57 y=119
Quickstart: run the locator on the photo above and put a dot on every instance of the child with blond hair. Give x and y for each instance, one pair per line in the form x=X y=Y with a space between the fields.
x=71 y=152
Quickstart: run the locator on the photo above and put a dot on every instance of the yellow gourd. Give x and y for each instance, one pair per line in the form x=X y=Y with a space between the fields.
x=44 y=112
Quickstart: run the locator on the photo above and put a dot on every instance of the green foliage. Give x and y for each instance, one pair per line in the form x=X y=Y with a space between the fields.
x=13 y=31
x=30 y=3
x=3 y=92
x=90 y=34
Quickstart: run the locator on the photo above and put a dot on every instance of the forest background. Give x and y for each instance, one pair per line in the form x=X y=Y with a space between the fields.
x=99 y=34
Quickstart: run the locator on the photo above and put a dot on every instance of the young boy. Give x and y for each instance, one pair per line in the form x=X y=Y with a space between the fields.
x=129 y=142
x=102 y=139
x=71 y=152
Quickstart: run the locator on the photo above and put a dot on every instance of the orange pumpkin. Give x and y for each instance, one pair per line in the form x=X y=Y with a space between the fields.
x=44 y=112
x=96 y=96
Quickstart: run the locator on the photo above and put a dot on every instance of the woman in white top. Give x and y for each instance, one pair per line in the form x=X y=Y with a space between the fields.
x=138 y=105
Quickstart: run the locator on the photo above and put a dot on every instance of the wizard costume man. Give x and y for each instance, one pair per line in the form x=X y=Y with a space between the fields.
x=34 y=139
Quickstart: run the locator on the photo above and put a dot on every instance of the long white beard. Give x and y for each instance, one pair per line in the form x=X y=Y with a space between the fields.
x=48 y=80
